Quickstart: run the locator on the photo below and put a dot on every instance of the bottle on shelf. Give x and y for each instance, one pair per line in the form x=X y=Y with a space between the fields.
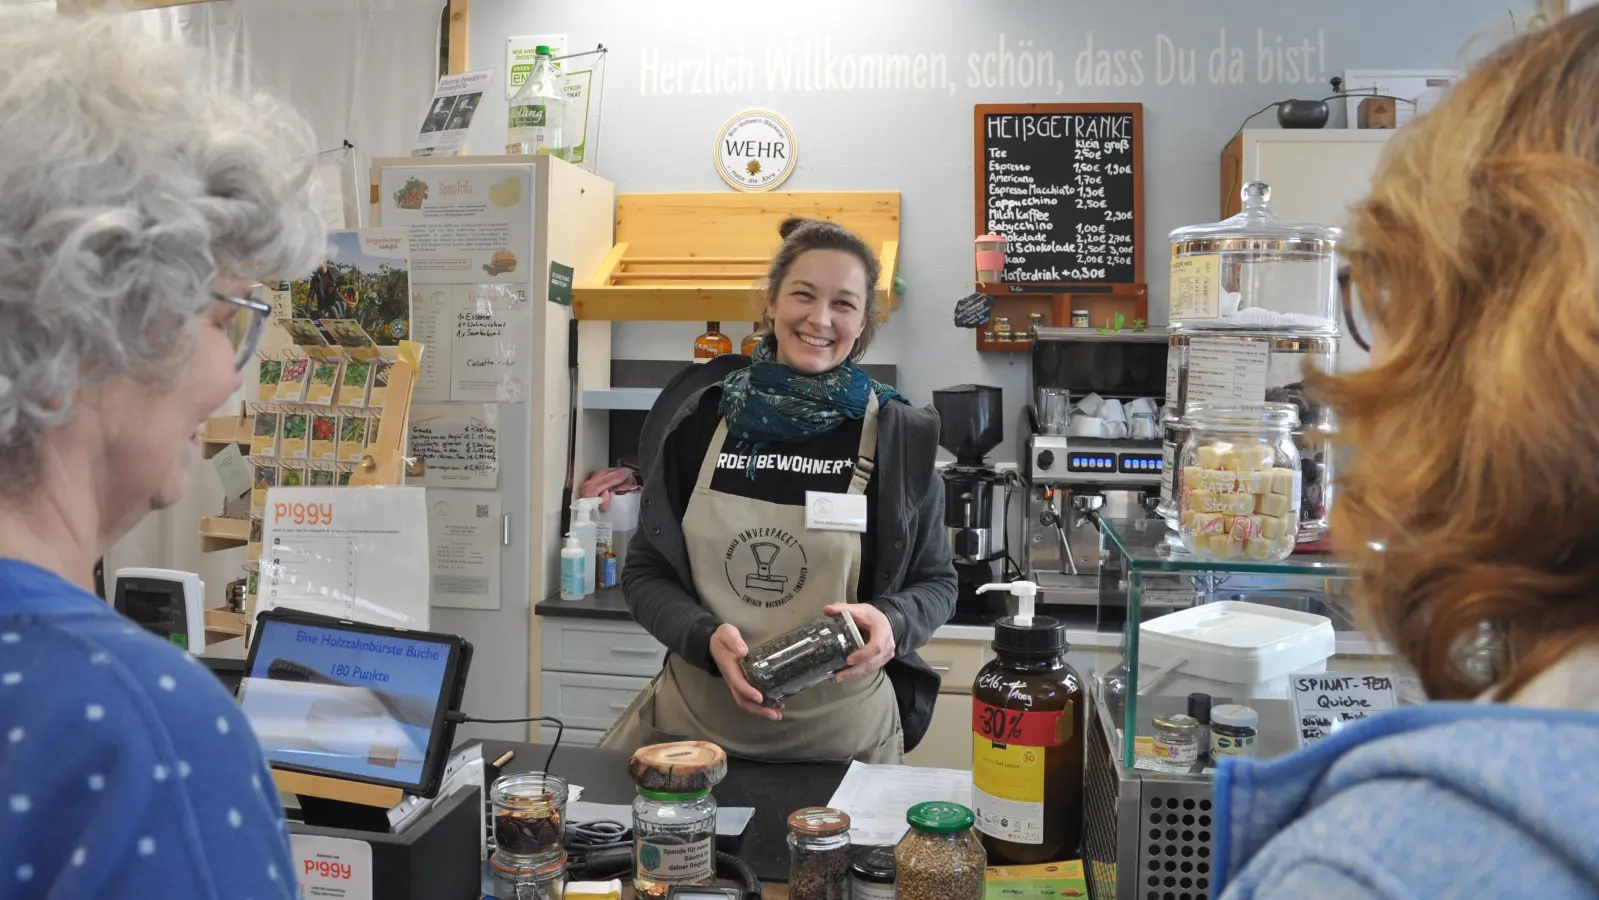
x=585 y=530
x=538 y=111
x=712 y=343
x=572 y=569
x=753 y=340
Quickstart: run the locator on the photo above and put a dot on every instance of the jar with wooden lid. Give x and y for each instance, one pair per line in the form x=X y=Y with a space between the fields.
x=818 y=854
x=674 y=815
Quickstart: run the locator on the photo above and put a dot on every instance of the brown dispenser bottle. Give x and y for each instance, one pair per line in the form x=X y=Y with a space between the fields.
x=1028 y=721
x=751 y=341
x=712 y=343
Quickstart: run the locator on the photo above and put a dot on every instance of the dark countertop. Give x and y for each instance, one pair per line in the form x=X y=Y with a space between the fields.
x=606 y=603
x=773 y=790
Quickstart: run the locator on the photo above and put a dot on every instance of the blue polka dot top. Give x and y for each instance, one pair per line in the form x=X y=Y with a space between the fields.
x=126 y=770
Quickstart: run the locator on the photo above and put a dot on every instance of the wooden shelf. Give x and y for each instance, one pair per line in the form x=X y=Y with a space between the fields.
x=220 y=431
x=701 y=257
x=220 y=533
x=226 y=621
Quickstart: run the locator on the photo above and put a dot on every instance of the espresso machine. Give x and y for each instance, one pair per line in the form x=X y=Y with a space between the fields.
x=971 y=423
x=1079 y=467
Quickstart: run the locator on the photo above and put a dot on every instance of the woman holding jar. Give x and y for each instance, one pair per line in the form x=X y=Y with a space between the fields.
x=723 y=558
x=1469 y=506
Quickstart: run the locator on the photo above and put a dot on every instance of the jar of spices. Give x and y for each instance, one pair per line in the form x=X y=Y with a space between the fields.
x=529 y=819
x=818 y=854
x=871 y=877
x=1079 y=318
x=1002 y=330
x=1177 y=739
x=674 y=815
x=801 y=658
x=546 y=881
x=1233 y=730
x=1240 y=477
x=1035 y=321
x=940 y=857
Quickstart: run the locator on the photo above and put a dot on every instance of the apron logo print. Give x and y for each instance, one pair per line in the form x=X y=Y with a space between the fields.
x=823 y=507
x=766 y=567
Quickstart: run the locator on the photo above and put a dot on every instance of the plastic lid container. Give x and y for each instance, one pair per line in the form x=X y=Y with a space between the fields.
x=1231 y=715
x=1255 y=271
x=940 y=817
x=1236 y=642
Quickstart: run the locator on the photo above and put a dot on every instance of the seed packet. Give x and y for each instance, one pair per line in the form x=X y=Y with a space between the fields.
x=267 y=384
x=357 y=381
x=252 y=588
x=352 y=437
x=305 y=333
x=252 y=550
x=324 y=436
x=264 y=441
x=344 y=477
x=322 y=477
x=380 y=383
x=293 y=445
x=324 y=381
x=291 y=476
x=291 y=385
x=266 y=478
x=372 y=425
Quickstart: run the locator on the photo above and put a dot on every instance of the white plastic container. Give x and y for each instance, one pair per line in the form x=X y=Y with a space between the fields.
x=572 y=569
x=623 y=519
x=1232 y=649
x=587 y=534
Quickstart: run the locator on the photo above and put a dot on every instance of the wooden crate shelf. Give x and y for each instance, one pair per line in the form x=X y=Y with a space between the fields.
x=701 y=257
x=220 y=431
x=221 y=533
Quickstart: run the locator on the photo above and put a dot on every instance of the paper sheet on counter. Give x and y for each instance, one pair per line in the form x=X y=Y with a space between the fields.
x=877 y=797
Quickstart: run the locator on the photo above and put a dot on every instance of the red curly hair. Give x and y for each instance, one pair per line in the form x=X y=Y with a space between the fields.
x=1472 y=490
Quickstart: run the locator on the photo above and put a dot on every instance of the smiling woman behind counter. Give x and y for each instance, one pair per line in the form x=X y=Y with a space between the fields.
x=723 y=559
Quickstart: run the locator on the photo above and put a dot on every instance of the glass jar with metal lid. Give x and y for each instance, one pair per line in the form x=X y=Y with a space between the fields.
x=1176 y=741
x=871 y=877
x=1255 y=271
x=818 y=854
x=1241 y=481
x=940 y=857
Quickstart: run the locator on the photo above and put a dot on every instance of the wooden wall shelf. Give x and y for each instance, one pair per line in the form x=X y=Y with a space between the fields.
x=220 y=533
x=220 y=431
x=1102 y=305
x=701 y=257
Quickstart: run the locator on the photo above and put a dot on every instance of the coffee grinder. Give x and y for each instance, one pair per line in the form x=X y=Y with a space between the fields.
x=971 y=423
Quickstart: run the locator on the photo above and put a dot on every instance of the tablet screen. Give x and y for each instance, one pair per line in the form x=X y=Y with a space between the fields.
x=344 y=700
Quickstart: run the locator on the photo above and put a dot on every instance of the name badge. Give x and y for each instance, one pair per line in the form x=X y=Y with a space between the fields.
x=835 y=512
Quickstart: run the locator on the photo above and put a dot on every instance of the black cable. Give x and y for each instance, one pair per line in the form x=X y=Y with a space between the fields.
x=726 y=862
x=461 y=717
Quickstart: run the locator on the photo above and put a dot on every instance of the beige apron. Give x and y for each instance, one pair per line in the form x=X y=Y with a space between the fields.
x=756 y=565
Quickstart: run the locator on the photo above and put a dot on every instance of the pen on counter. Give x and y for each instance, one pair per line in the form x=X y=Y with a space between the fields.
x=504 y=758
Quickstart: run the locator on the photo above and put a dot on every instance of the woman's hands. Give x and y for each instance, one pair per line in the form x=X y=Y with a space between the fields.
x=727 y=648
x=879 y=636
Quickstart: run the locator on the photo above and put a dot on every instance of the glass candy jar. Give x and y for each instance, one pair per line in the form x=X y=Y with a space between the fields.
x=545 y=881
x=1241 y=481
x=802 y=657
x=940 y=857
x=1255 y=271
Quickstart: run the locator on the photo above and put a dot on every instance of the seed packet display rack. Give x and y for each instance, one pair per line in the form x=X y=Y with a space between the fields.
x=321 y=428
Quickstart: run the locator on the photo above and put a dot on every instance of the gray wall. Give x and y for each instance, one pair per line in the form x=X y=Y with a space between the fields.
x=919 y=141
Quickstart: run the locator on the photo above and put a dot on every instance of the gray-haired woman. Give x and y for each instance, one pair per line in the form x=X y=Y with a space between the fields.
x=138 y=204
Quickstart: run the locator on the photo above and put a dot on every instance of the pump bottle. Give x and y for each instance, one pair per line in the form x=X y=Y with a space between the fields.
x=586 y=532
x=572 y=569
x=1028 y=719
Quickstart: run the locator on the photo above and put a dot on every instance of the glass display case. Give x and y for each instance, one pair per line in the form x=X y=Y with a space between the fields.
x=1230 y=628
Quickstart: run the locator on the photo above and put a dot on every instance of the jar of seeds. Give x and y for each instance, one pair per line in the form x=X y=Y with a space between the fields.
x=802 y=658
x=940 y=857
x=818 y=854
x=529 y=819
x=674 y=815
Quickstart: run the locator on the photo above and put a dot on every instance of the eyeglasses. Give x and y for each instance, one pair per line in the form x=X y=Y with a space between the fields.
x=245 y=325
x=1351 y=320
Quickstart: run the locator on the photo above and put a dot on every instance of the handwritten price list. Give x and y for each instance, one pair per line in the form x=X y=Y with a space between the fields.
x=1061 y=187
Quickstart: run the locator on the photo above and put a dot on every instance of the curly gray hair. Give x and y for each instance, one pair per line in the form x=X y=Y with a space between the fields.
x=128 y=183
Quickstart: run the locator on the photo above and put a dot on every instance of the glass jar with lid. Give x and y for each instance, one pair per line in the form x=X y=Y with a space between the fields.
x=818 y=854
x=1255 y=271
x=674 y=815
x=543 y=881
x=1241 y=481
x=940 y=857
x=800 y=658
x=529 y=819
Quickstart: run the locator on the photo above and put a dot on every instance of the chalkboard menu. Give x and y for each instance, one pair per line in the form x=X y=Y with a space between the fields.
x=1063 y=183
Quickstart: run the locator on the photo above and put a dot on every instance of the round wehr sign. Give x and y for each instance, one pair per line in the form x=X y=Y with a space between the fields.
x=755 y=151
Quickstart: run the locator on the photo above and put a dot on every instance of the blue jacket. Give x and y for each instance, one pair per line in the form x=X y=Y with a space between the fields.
x=1441 y=800
x=126 y=770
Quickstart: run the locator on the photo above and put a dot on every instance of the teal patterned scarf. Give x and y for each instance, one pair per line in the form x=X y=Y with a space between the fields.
x=768 y=401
